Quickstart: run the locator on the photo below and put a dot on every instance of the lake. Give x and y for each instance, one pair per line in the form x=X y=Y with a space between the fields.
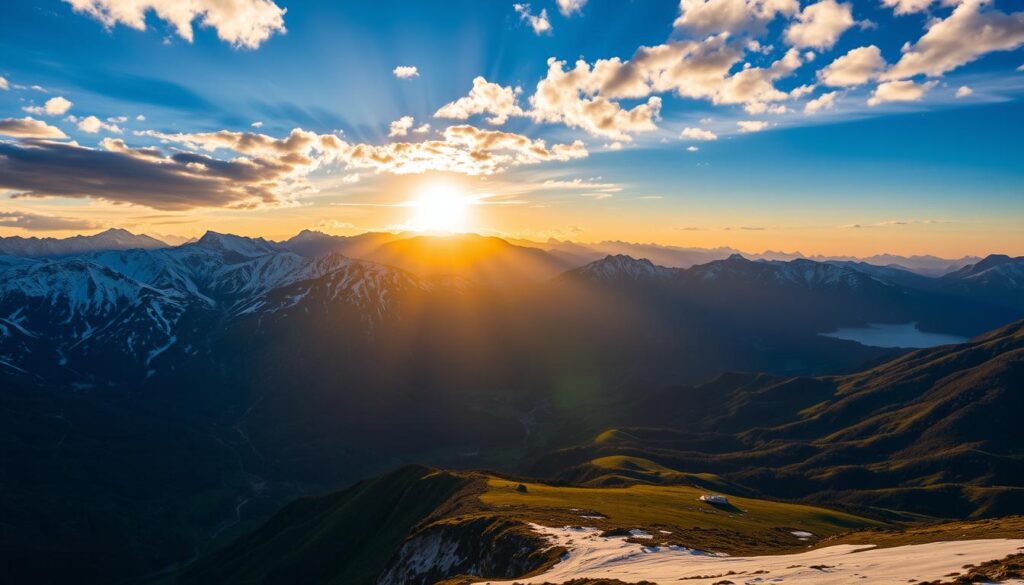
x=894 y=335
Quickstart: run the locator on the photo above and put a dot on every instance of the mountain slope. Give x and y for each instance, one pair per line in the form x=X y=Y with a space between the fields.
x=997 y=278
x=343 y=538
x=932 y=432
x=312 y=243
x=417 y=526
x=485 y=260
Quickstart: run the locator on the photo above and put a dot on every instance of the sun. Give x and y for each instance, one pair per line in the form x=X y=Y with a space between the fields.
x=440 y=208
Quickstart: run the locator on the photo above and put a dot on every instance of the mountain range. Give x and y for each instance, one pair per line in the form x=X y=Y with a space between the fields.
x=171 y=398
x=146 y=305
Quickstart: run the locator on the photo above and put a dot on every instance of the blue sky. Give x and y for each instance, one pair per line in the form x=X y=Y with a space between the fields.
x=932 y=165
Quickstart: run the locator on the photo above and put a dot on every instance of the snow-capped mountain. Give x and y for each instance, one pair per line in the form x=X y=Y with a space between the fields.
x=73 y=312
x=736 y=271
x=372 y=289
x=998 y=277
x=800 y=273
x=112 y=239
x=622 y=268
x=137 y=312
x=129 y=308
x=997 y=269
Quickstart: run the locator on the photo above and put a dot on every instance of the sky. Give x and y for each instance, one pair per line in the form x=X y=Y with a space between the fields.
x=859 y=127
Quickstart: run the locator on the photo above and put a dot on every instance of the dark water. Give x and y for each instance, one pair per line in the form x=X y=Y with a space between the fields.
x=894 y=335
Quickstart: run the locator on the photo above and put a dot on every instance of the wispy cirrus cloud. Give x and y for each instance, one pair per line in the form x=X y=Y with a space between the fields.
x=897 y=223
x=44 y=223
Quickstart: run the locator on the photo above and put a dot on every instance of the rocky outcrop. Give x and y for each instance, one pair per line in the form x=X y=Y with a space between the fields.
x=485 y=546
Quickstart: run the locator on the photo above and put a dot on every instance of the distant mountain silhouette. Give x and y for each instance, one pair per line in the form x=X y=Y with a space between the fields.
x=111 y=239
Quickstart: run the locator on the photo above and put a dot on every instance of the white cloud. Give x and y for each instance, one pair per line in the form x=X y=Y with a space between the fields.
x=539 y=23
x=907 y=6
x=752 y=125
x=53 y=107
x=732 y=16
x=118 y=119
x=567 y=97
x=406 y=71
x=257 y=124
x=28 y=127
x=242 y=23
x=463 y=149
x=570 y=7
x=485 y=98
x=698 y=134
x=92 y=125
x=421 y=129
x=820 y=25
x=587 y=96
x=401 y=126
x=857 y=67
x=140 y=118
x=825 y=101
x=899 y=91
x=963 y=91
x=801 y=91
x=962 y=37
x=4 y=84
x=692 y=149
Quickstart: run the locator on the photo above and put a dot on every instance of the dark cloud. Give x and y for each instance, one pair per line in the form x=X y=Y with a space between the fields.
x=28 y=127
x=178 y=182
x=43 y=223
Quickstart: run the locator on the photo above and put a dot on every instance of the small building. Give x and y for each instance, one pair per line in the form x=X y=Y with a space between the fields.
x=714 y=499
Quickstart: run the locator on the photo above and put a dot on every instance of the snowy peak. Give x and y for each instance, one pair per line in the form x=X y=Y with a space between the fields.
x=800 y=273
x=232 y=245
x=620 y=268
x=993 y=262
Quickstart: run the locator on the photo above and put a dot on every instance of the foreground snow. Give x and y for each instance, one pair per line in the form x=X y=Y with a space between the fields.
x=593 y=556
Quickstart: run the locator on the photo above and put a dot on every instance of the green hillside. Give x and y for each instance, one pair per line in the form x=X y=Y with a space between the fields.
x=344 y=538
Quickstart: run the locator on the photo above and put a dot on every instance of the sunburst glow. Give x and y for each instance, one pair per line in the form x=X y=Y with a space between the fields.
x=441 y=208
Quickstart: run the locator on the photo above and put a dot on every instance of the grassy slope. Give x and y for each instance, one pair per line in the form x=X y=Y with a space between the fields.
x=744 y=525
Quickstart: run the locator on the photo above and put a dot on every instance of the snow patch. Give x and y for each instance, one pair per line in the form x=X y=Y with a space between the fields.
x=593 y=556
